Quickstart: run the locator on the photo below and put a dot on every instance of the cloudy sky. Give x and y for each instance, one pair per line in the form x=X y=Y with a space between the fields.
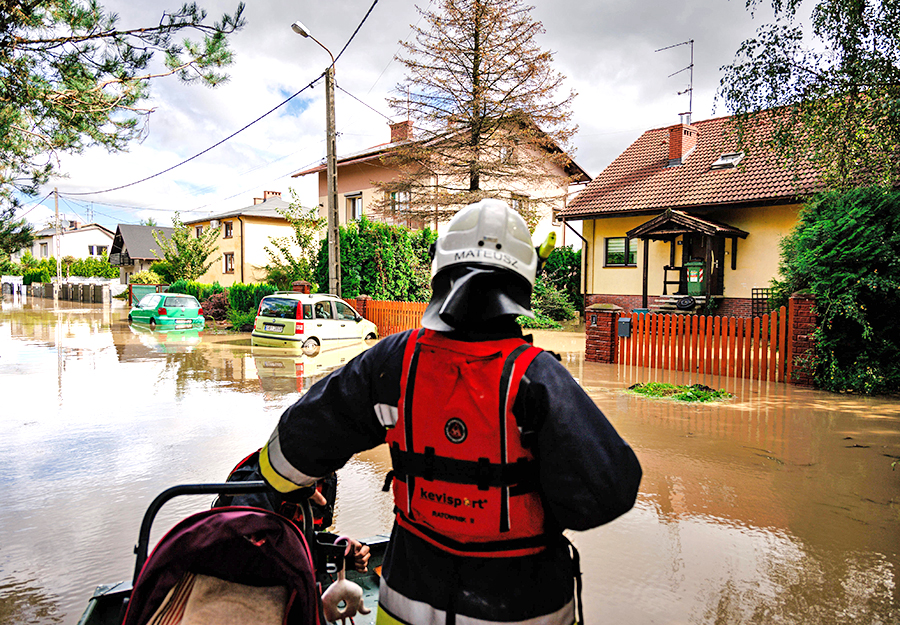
x=607 y=50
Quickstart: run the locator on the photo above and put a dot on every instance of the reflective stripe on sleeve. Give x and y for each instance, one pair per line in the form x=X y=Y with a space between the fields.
x=277 y=471
x=387 y=415
x=397 y=609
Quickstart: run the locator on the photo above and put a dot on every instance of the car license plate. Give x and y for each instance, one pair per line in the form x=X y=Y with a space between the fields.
x=270 y=327
x=183 y=322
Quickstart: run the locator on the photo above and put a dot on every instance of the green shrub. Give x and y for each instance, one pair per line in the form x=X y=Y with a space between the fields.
x=93 y=267
x=164 y=269
x=36 y=274
x=547 y=300
x=845 y=250
x=199 y=290
x=563 y=270
x=9 y=268
x=240 y=297
x=384 y=261
x=240 y=319
x=540 y=322
x=145 y=277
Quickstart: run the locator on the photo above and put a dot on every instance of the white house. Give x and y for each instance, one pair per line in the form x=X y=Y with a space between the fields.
x=76 y=240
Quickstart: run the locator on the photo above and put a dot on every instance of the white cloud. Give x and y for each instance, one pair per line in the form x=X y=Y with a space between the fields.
x=605 y=48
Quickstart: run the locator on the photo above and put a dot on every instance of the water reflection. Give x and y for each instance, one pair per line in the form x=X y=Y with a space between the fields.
x=27 y=603
x=779 y=506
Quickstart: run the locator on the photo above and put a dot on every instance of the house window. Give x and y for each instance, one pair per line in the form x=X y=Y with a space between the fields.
x=199 y=231
x=90 y=250
x=519 y=203
x=101 y=250
x=229 y=262
x=399 y=201
x=615 y=255
x=229 y=230
x=354 y=206
x=45 y=250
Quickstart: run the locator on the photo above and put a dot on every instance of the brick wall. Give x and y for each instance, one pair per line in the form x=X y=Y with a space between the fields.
x=600 y=333
x=801 y=350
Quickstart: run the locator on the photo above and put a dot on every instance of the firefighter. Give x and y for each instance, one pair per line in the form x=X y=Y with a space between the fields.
x=495 y=448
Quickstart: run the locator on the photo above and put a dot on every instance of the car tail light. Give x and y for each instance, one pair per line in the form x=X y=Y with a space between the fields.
x=162 y=311
x=298 y=327
x=200 y=311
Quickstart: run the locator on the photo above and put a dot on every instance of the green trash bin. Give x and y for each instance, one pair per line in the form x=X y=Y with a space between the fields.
x=696 y=278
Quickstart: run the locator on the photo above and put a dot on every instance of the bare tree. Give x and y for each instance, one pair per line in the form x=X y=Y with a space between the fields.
x=483 y=99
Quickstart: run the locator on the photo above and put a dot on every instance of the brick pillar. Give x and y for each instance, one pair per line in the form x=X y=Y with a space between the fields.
x=801 y=350
x=301 y=286
x=361 y=305
x=600 y=332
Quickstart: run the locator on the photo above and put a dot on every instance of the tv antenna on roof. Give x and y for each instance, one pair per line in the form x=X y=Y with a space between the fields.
x=690 y=89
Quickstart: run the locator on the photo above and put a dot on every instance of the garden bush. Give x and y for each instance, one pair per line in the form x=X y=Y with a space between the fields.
x=200 y=291
x=384 y=261
x=145 y=277
x=216 y=306
x=549 y=301
x=845 y=250
x=36 y=274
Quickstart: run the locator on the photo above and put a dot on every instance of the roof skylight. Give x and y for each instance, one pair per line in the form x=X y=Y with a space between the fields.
x=728 y=160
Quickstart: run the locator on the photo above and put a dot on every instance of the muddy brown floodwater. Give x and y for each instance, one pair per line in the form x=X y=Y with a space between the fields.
x=779 y=506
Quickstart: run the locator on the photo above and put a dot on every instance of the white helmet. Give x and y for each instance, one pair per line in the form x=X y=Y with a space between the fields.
x=487 y=233
x=483 y=268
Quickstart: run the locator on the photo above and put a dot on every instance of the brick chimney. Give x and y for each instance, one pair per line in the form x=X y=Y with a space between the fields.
x=401 y=131
x=682 y=141
x=258 y=200
x=268 y=194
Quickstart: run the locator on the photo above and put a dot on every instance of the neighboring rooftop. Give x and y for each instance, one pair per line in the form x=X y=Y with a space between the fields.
x=266 y=206
x=138 y=241
x=401 y=133
x=691 y=166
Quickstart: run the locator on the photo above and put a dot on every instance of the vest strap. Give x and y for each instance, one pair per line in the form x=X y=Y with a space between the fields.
x=522 y=474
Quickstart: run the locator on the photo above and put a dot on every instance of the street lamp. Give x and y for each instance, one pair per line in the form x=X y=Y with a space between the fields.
x=334 y=247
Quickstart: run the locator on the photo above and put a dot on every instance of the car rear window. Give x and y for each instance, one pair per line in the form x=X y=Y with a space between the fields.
x=278 y=307
x=181 y=302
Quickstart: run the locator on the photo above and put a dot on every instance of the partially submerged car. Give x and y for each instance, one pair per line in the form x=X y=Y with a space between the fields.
x=170 y=310
x=308 y=321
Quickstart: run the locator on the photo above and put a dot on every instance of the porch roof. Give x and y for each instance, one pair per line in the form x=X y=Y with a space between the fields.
x=673 y=223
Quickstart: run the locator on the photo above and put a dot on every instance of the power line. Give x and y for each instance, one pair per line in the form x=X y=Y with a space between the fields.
x=231 y=136
x=364 y=104
x=215 y=145
x=36 y=205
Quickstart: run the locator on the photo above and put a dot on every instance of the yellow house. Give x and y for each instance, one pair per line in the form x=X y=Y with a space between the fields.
x=358 y=173
x=681 y=217
x=244 y=233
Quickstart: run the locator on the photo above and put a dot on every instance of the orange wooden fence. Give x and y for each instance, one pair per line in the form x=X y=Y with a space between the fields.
x=737 y=347
x=393 y=317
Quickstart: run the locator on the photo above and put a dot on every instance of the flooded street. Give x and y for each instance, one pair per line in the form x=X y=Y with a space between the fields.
x=780 y=506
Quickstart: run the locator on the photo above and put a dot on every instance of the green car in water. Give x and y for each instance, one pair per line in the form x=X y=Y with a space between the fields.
x=168 y=310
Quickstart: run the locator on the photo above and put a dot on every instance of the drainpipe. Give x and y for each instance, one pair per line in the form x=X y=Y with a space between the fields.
x=584 y=260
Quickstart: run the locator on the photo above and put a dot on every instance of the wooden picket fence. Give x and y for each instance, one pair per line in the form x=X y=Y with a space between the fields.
x=751 y=347
x=393 y=317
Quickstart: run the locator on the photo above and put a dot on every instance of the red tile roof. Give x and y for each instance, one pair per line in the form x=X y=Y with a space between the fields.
x=640 y=180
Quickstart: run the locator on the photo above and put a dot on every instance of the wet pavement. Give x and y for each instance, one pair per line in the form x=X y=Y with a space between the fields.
x=779 y=506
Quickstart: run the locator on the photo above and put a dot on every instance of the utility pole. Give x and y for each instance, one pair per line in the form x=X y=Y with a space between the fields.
x=334 y=245
x=57 y=244
x=334 y=242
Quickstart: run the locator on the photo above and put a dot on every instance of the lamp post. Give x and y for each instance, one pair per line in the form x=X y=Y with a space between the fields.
x=334 y=247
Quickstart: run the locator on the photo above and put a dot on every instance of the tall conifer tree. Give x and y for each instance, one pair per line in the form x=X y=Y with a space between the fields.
x=483 y=100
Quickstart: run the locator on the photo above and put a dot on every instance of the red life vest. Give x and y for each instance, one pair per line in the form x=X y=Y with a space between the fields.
x=462 y=479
